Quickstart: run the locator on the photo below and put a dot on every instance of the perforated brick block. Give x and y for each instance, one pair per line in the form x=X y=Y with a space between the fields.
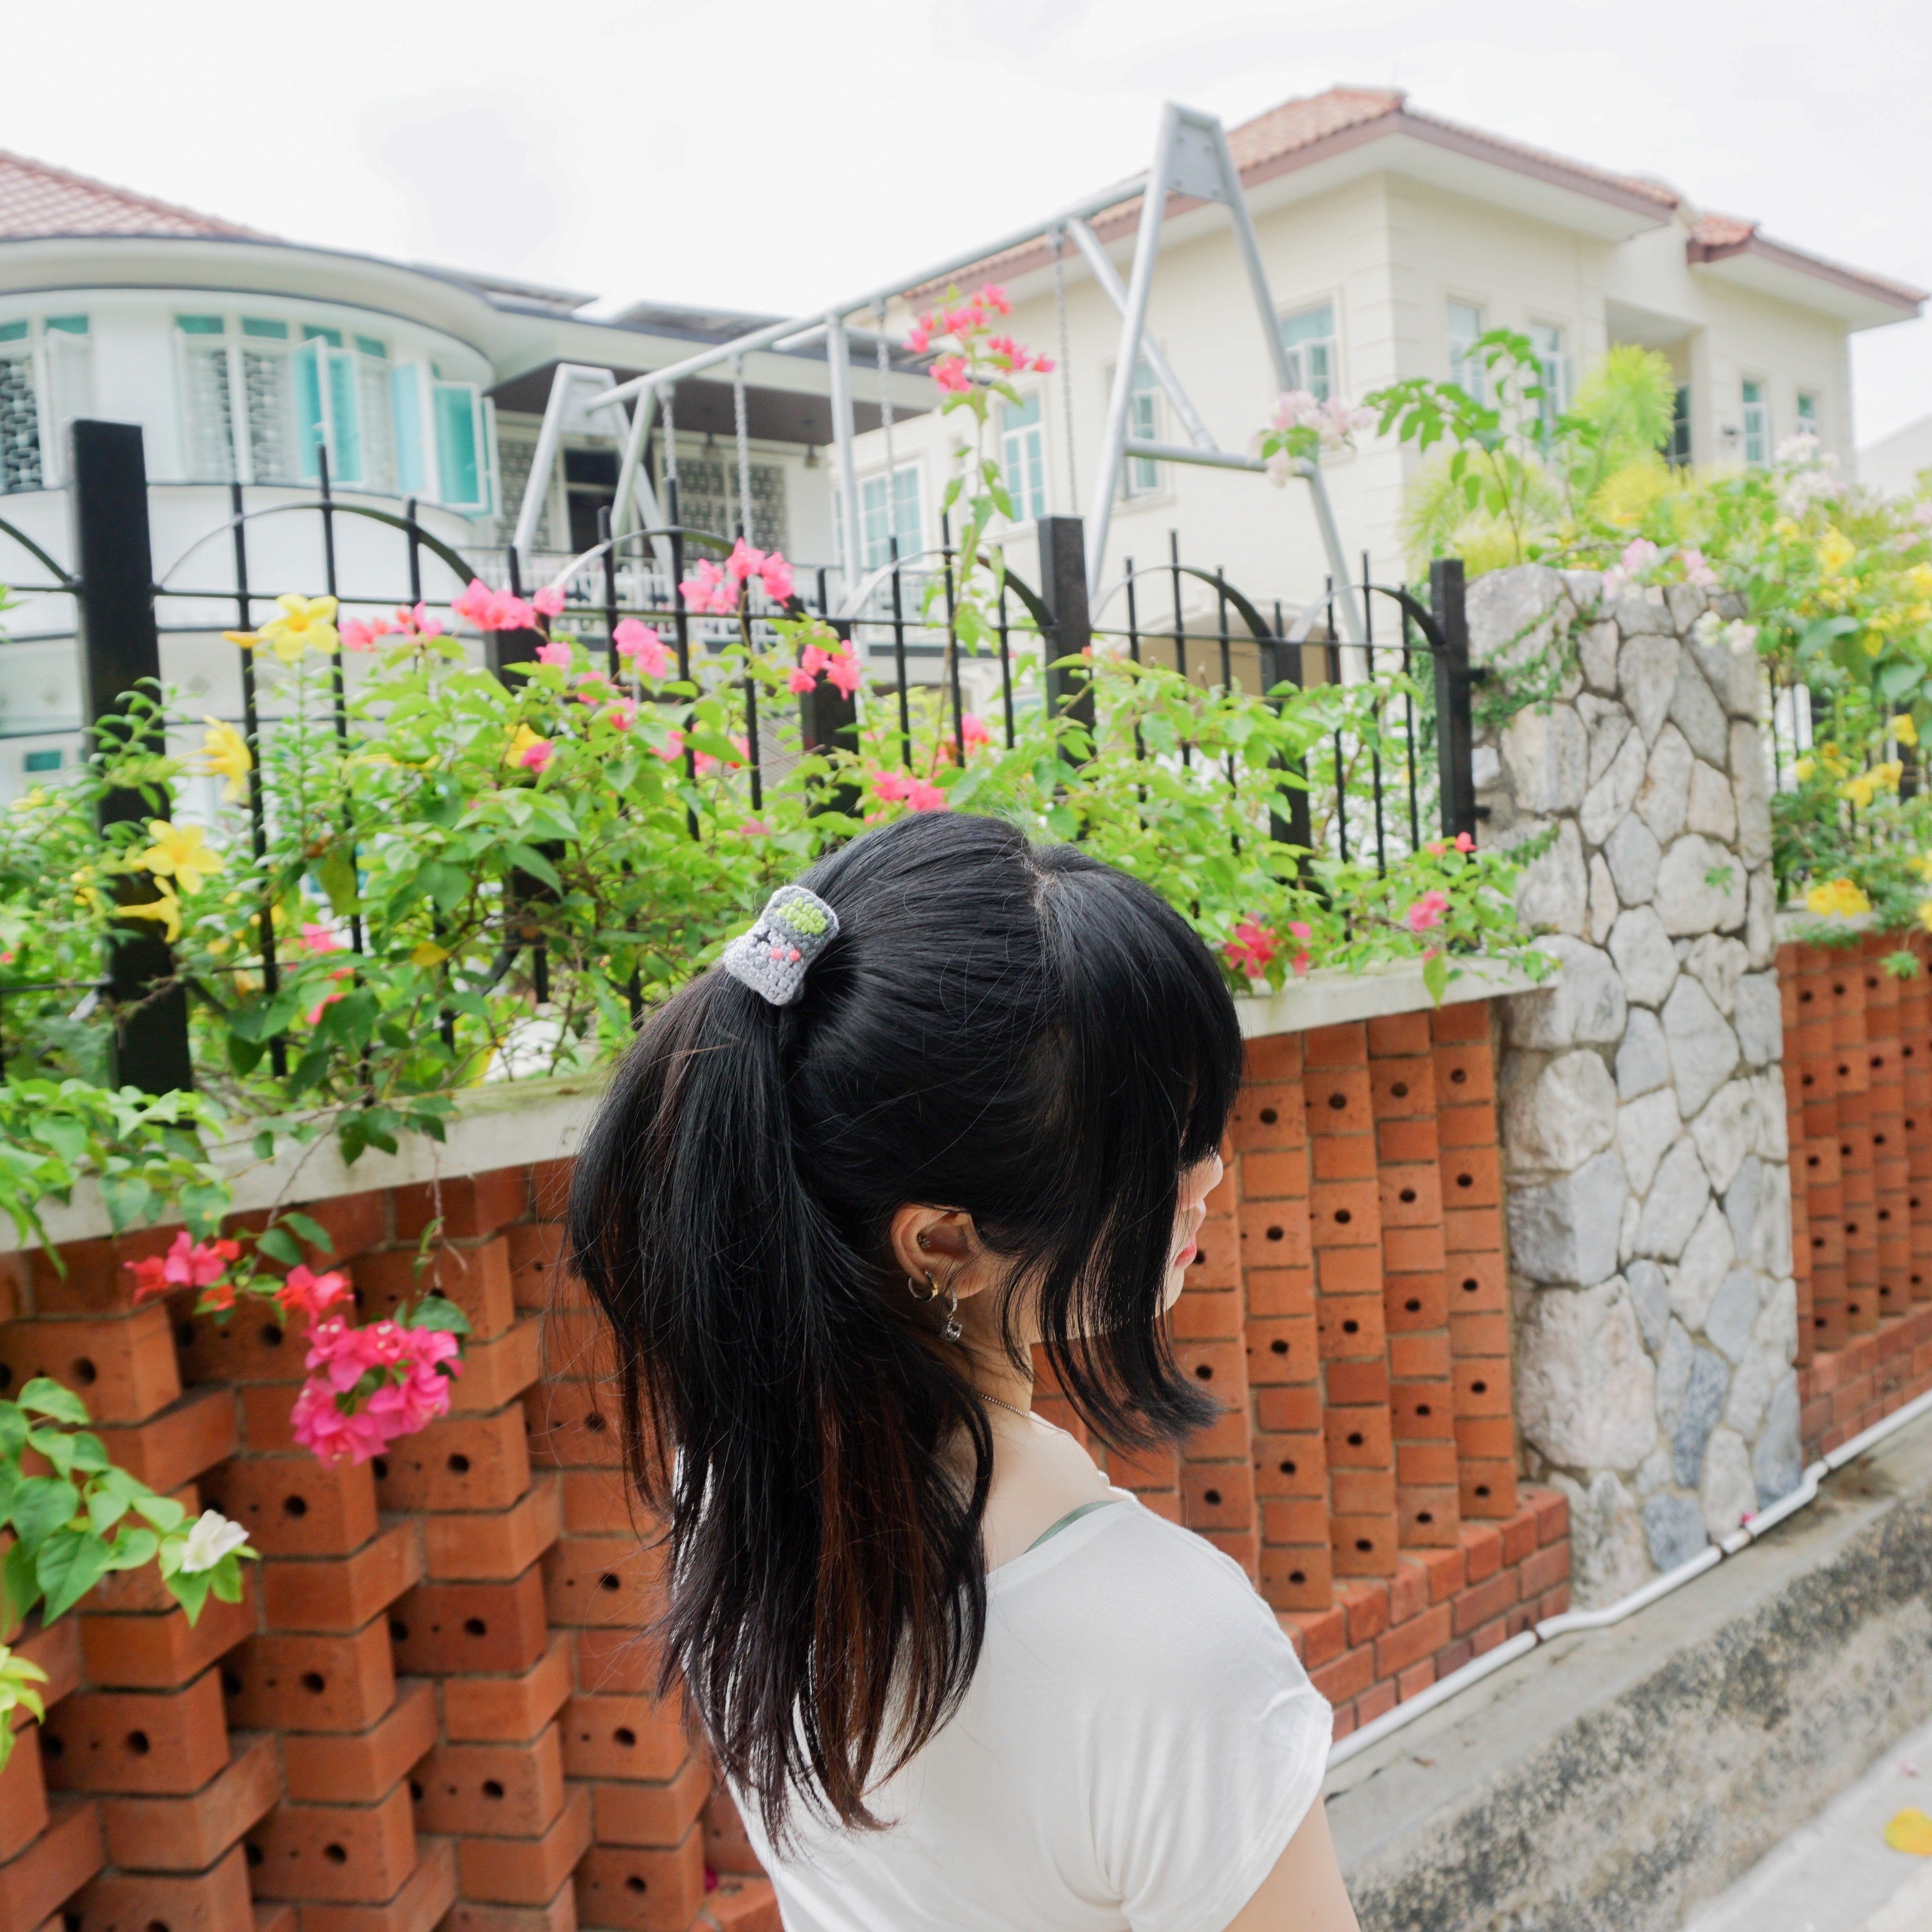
x=742 y=1905
x=508 y=1709
x=191 y=1832
x=634 y=1890
x=653 y=1813
x=636 y=1736
x=323 y=1769
x=122 y=1367
x=55 y=1866
x=501 y=1791
x=155 y=1652
x=495 y=1372
x=444 y=1629
x=23 y=1795
x=477 y=1280
x=295 y=1506
x=526 y=1871
x=573 y=1425
x=728 y=1847
x=277 y=1682
x=462 y=1462
x=556 y=1915
x=498 y=1547
x=185 y=1438
x=135 y=1741
x=341 y=1594
x=469 y=1206
x=611 y=1581
x=425 y=1895
x=249 y=1345
x=215 y=1901
x=363 y=1852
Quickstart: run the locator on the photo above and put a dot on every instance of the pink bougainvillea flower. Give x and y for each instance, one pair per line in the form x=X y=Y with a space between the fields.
x=553 y=654
x=313 y=1016
x=550 y=600
x=844 y=671
x=1697 y=569
x=673 y=747
x=744 y=561
x=428 y=623
x=707 y=589
x=1044 y=364
x=919 y=338
x=801 y=681
x=1464 y=843
x=621 y=713
x=304 y=1292
x=926 y=796
x=1252 y=949
x=1426 y=912
x=777 y=575
x=319 y=939
x=358 y=636
x=891 y=787
x=994 y=296
x=187 y=1264
x=1302 y=934
x=641 y=648
x=973 y=729
x=950 y=373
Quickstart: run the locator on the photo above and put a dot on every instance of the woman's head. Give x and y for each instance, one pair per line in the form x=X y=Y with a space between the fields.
x=1015 y=1054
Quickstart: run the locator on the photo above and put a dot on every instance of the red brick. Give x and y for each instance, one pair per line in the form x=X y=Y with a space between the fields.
x=349 y=1770
x=653 y=1814
x=23 y=1796
x=742 y=1905
x=498 y=1372
x=133 y=1740
x=122 y=1367
x=189 y=1833
x=1376 y=1702
x=497 y=1791
x=1296 y=1410
x=1547 y=1569
x=1399 y=1141
x=295 y=1506
x=441 y=1629
x=1471 y=1177
x=275 y=1682
x=527 y=1871
x=215 y=1901
x=1446 y=1571
x=1363 y=1546
x=1207 y=1315
x=1350 y=1674
x=632 y=1890
x=341 y=1594
x=460 y=1463
x=1273 y=1056
x=1554 y=1603
x=476 y=1279
x=612 y=1581
x=1217 y=1496
x=54 y=1867
x=470 y=1206
x=1416 y=1678
x=1482 y=1601
x=537 y=1273
x=1419 y=1637
x=1393 y=1033
x=557 y=1914
x=426 y=1895
x=573 y=1426
x=1366 y=1604
x=1343 y=1214
x=1519 y=1536
x=1408 y=1590
x=1282 y=1349
x=176 y=1446
x=1467 y=1020
x=361 y=1852
x=1348 y=1328
x=1268 y=1114
x=1482 y=1552
x=493 y=1549
x=1324 y=1635
x=550 y=1188
x=89 y=1278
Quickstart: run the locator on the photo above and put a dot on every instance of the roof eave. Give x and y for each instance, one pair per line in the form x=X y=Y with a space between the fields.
x=1864 y=301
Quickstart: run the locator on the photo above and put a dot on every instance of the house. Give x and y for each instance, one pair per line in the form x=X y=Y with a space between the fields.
x=248 y=359
x=1391 y=239
x=1894 y=463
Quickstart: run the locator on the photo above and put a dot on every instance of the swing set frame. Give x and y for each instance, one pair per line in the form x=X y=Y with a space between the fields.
x=1193 y=164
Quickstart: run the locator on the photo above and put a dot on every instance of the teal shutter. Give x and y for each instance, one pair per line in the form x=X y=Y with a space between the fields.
x=345 y=423
x=405 y=396
x=458 y=460
x=308 y=364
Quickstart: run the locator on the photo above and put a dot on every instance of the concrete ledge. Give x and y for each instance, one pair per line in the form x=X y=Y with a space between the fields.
x=1613 y=1781
x=1330 y=997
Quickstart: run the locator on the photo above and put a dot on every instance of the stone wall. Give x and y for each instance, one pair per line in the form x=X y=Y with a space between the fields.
x=1642 y=1102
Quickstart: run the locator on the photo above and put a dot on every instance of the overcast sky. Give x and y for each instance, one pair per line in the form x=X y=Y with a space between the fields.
x=767 y=154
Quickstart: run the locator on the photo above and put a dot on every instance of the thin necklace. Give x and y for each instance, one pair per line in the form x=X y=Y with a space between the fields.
x=1012 y=1408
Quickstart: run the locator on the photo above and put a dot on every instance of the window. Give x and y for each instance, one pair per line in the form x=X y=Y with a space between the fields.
x=456 y=410
x=1466 y=368
x=1546 y=339
x=1310 y=339
x=209 y=411
x=881 y=519
x=1023 y=457
x=48 y=760
x=1808 y=411
x=1141 y=476
x=1757 y=422
x=1676 y=449
x=46 y=380
x=20 y=411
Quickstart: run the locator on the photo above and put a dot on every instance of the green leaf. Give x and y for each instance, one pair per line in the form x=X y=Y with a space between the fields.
x=278 y=1244
x=133 y=1547
x=190 y=1591
x=41 y=1504
x=1435 y=975
x=336 y=874
x=56 y=1447
x=70 y=1563
x=18 y=1583
x=311 y=1230
x=44 y=1396
x=104 y=1510
x=436 y=1311
x=163 y=1512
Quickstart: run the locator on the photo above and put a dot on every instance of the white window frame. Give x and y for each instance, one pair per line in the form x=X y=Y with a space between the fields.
x=1465 y=369
x=1756 y=435
x=1021 y=446
x=1551 y=342
x=911 y=539
x=1302 y=354
x=1143 y=479
x=1810 y=414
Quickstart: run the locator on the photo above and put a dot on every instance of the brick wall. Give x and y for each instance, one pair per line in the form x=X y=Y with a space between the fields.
x=1858 y=1077
x=432 y=1706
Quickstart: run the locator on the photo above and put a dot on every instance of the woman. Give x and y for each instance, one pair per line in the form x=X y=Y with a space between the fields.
x=951 y=1097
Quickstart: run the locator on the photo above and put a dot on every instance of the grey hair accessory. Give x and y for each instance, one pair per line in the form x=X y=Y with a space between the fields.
x=772 y=959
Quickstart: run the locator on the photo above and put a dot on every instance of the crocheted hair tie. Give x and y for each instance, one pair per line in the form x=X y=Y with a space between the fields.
x=772 y=956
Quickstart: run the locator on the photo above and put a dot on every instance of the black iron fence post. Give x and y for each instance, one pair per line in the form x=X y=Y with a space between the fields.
x=1062 y=588
x=828 y=721
x=1455 y=736
x=120 y=653
x=503 y=648
x=1281 y=664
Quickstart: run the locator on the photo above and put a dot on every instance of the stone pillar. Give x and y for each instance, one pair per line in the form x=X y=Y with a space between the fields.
x=1642 y=1101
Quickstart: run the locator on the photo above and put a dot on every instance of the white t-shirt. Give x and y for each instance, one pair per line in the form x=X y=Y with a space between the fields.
x=1137 y=1746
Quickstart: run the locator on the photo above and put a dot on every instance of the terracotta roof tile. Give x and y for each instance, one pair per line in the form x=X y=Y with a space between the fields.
x=38 y=199
x=1715 y=234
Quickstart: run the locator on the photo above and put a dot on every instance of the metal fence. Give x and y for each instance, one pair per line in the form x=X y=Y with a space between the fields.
x=1369 y=794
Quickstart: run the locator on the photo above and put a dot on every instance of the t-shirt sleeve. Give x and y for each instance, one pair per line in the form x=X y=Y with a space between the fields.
x=1207 y=1764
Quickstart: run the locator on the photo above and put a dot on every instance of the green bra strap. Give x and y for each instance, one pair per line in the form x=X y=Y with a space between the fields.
x=1072 y=1516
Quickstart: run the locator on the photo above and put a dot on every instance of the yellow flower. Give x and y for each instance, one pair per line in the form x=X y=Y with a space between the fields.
x=1804 y=769
x=1859 y=789
x=527 y=751
x=306 y=625
x=1922 y=865
x=1836 y=551
x=85 y=882
x=166 y=908
x=1925 y=914
x=1920 y=577
x=179 y=853
x=1903 y=731
x=425 y=953
x=1888 y=774
x=1840 y=896
x=227 y=752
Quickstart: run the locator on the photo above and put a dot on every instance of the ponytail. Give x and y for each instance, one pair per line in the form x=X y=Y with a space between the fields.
x=1031 y=1038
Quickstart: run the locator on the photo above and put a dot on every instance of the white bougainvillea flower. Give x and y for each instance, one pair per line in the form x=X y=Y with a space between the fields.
x=210 y=1539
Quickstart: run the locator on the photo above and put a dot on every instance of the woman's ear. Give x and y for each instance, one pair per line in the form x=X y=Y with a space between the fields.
x=939 y=1241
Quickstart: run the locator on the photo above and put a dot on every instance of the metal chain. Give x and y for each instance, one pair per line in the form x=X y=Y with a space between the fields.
x=1066 y=367
x=668 y=396
x=744 y=446
x=886 y=423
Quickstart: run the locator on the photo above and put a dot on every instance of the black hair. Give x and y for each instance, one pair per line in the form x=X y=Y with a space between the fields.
x=1020 y=1033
